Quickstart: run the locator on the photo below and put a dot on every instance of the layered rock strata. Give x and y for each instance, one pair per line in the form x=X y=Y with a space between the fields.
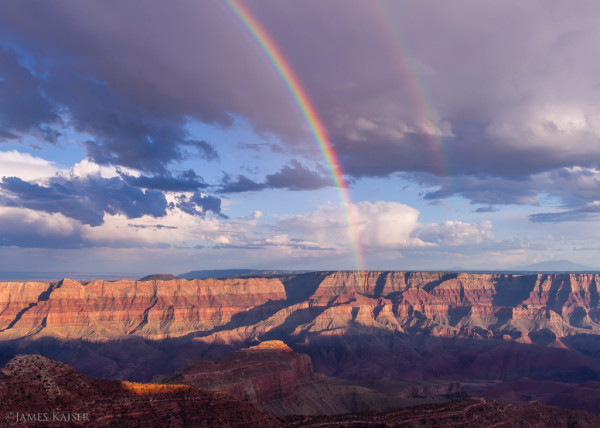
x=402 y=326
x=102 y=310
x=280 y=381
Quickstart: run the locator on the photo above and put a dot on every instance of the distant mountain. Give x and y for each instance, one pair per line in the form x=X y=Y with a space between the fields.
x=218 y=273
x=159 y=277
x=555 y=266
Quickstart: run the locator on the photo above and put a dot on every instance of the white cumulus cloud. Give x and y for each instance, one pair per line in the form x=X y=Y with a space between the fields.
x=25 y=166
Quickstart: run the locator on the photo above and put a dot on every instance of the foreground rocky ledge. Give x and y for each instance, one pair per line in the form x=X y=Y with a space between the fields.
x=463 y=413
x=34 y=388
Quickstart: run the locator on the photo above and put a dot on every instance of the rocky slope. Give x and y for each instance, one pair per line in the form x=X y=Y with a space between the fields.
x=519 y=391
x=36 y=391
x=281 y=382
x=403 y=326
x=465 y=413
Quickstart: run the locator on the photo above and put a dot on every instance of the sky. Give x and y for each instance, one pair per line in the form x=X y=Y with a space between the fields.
x=161 y=137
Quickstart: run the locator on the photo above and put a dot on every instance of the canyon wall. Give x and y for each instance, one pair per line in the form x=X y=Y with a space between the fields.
x=404 y=326
x=104 y=310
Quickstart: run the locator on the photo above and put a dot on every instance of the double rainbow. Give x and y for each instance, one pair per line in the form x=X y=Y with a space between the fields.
x=317 y=128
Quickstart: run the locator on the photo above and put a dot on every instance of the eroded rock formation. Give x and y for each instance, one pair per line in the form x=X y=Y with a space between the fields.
x=403 y=326
x=281 y=382
x=36 y=391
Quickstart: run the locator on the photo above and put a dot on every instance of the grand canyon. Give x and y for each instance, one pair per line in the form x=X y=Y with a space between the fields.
x=305 y=213
x=325 y=343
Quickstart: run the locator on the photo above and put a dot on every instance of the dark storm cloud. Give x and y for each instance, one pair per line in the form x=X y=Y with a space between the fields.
x=294 y=176
x=199 y=205
x=121 y=133
x=23 y=107
x=85 y=200
x=124 y=135
x=512 y=86
x=188 y=181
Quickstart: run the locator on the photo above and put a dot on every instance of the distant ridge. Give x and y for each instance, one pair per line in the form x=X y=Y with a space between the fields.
x=555 y=266
x=57 y=276
x=159 y=277
x=220 y=273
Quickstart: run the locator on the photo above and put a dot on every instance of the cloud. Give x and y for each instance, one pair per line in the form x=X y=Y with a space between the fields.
x=257 y=147
x=380 y=224
x=134 y=105
x=123 y=134
x=590 y=211
x=571 y=183
x=151 y=226
x=487 y=190
x=488 y=209
x=294 y=176
x=586 y=248
x=243 y=184
x=83 y=199
x=188 y=181
x=454 y=233
x=28 y=229
x=32 y=229
x=120 y=133
x=386 y=226
x=198 y=205
x=25 y=166
x=575 y=186
x=23 y=108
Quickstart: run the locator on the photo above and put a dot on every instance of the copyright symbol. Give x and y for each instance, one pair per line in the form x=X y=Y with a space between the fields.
x=9 y=416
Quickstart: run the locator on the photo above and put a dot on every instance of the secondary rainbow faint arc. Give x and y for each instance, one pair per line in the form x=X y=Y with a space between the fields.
x=416 y=89
x=317 y=128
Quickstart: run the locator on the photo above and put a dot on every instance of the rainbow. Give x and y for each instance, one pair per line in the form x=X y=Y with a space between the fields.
x=317 y=128
x=417 y=93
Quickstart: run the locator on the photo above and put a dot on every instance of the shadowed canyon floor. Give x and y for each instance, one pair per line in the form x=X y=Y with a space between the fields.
x=501 y=335
x=36 y=391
